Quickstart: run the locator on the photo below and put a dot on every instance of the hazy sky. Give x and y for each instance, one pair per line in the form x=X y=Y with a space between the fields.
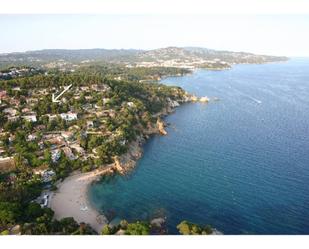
x=266 y=34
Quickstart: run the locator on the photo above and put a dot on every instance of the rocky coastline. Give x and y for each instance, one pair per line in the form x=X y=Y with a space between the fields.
x=70 y=198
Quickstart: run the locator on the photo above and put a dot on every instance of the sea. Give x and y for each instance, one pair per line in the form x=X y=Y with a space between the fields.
x=239 y=163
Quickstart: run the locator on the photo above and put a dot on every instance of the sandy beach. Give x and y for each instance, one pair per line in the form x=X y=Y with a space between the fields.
x=70 y=200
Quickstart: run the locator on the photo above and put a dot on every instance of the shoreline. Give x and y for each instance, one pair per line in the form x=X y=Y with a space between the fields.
x=71 y=197
x=71 y=200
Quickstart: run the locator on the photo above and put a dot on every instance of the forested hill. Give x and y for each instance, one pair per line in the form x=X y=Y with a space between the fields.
x=169 y=55
x=77 y=55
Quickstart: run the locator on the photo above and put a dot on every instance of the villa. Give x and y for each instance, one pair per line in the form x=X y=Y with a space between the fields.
x=30 y=118
x=70 y=116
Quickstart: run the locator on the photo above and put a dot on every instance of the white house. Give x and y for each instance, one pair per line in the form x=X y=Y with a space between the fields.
x=106 y=100
x=90 y=124
x=30 y=118
x=131 y=104
x=31 y=137
x=10 y=111
x=70 y=116
x=55 y=155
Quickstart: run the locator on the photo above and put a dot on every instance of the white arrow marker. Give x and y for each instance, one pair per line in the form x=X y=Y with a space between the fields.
x=55 y=99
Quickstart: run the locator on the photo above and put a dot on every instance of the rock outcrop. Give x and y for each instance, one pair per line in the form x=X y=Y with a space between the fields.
x=204 y=99
x=127 y=161
x=161 y=127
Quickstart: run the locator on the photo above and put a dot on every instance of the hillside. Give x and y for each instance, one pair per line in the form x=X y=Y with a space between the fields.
x=187 y=57
x=196 y=53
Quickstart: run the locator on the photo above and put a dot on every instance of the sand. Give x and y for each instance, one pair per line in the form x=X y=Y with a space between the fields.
x=71 y=200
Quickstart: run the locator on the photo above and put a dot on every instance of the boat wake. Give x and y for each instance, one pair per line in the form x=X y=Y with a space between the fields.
x=247 y=96
x=255 y=100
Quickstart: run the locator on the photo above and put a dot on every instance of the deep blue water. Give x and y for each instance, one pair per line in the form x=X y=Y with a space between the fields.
x=240 y=164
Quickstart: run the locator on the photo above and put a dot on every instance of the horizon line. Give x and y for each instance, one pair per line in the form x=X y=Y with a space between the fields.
x=149 y=49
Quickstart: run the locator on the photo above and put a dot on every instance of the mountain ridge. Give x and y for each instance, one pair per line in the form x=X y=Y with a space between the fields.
x=168 y=56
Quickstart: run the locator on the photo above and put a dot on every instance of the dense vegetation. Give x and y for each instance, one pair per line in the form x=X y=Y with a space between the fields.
x=16 y=207
x=135 y=228
x=132 y=73
x=188 y=228
x=20 y=187
x=145 y=228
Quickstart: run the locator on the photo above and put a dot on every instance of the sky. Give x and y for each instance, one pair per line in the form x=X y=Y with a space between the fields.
x=273 y=34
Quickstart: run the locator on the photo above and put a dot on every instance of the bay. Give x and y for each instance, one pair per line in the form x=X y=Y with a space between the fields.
x=239 y=163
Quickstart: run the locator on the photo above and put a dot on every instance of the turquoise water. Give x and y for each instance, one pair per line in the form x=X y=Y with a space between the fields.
x=240 y=164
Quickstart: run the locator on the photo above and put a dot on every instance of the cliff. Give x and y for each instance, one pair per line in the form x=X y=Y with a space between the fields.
x=126 y=162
